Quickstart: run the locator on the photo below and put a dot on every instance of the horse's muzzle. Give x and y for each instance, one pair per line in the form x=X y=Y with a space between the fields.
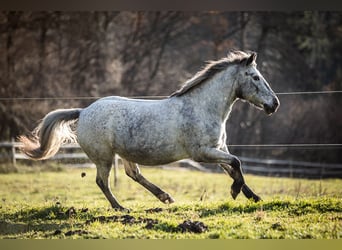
x=271 y=108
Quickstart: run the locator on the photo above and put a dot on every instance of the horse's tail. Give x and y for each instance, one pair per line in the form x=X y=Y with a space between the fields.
x=56 y=128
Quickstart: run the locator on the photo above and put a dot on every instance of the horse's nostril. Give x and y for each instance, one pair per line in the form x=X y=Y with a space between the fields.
x=268 y=109
x=271 y=108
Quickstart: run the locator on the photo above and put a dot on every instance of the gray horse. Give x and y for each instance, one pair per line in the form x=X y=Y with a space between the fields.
x=191 y=123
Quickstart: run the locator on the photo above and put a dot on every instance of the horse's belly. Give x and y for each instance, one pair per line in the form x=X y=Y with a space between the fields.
x=156 y=154
x=144 y=133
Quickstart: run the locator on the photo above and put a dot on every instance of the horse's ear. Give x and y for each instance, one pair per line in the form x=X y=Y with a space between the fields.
x=251 y=58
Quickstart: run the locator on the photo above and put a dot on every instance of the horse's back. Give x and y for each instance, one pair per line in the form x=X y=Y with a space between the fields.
x=142 y=131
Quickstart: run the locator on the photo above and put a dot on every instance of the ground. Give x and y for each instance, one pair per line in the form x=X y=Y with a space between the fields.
x=66 y=203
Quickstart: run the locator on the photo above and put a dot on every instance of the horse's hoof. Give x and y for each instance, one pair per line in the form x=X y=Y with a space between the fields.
x=235 y=189
x=256 y=198
x=122 y=209
x=166 y=198
x=250 y=194
x=233 y=194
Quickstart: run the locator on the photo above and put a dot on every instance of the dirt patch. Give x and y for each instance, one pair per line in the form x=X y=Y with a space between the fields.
x=150 y=223
x=277 y=226
x=71 y=232
x=57 y=232
x=192 y=226
x=71 y=212
x=84 y=210
x=78 y=232
x=154 y=210
x=124 y=219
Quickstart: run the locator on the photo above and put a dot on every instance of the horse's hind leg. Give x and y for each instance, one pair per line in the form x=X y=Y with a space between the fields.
x=102 y=180
x=133 y=171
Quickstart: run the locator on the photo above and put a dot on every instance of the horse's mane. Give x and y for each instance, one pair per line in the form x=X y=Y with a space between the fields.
x=212 y=67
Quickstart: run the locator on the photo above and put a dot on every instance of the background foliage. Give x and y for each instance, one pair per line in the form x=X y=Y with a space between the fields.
x=93 y=54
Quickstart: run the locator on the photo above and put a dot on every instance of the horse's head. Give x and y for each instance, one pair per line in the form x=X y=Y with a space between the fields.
x=252 y=86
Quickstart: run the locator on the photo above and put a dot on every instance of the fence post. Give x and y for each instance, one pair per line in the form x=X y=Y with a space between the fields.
x=13 y=152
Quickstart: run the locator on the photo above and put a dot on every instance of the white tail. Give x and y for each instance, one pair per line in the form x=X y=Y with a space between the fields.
x=50 y=134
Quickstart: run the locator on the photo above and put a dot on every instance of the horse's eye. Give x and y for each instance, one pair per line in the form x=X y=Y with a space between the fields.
x=256 y=78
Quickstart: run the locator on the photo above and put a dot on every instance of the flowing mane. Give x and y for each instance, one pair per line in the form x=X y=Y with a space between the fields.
x=212 y=67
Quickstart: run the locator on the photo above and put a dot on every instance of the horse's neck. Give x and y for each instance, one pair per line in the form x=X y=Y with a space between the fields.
x=217 y=94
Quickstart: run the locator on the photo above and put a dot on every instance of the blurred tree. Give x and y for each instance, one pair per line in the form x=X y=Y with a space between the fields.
x=67 y=54
x=144 y=47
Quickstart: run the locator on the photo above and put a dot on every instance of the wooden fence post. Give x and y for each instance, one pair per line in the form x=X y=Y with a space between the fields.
x=116 y=163
x=14 y=161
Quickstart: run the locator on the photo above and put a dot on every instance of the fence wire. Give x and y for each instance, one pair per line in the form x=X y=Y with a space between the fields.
x=150 y=97
x=158 y=97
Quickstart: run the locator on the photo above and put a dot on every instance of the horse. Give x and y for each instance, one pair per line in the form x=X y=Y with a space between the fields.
x=188 y=124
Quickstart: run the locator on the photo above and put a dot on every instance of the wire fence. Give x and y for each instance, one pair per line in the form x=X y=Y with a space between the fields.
x=264 y=146
x=292 y=145
x=251 y=165
x=72 y=155
x=157 y=97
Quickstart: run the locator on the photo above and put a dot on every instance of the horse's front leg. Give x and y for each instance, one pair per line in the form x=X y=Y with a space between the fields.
x=232 y=165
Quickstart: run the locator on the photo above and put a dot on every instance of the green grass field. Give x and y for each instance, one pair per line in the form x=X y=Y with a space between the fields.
x=59 y=203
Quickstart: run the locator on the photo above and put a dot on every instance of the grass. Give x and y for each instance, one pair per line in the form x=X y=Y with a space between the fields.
x=61 y=204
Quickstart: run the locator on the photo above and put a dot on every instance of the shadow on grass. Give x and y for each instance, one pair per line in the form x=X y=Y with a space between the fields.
x=55 y=220
x=296 y=207
x=15 y=228
x=46 y=219
x=44 y=213
x=166 y=227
